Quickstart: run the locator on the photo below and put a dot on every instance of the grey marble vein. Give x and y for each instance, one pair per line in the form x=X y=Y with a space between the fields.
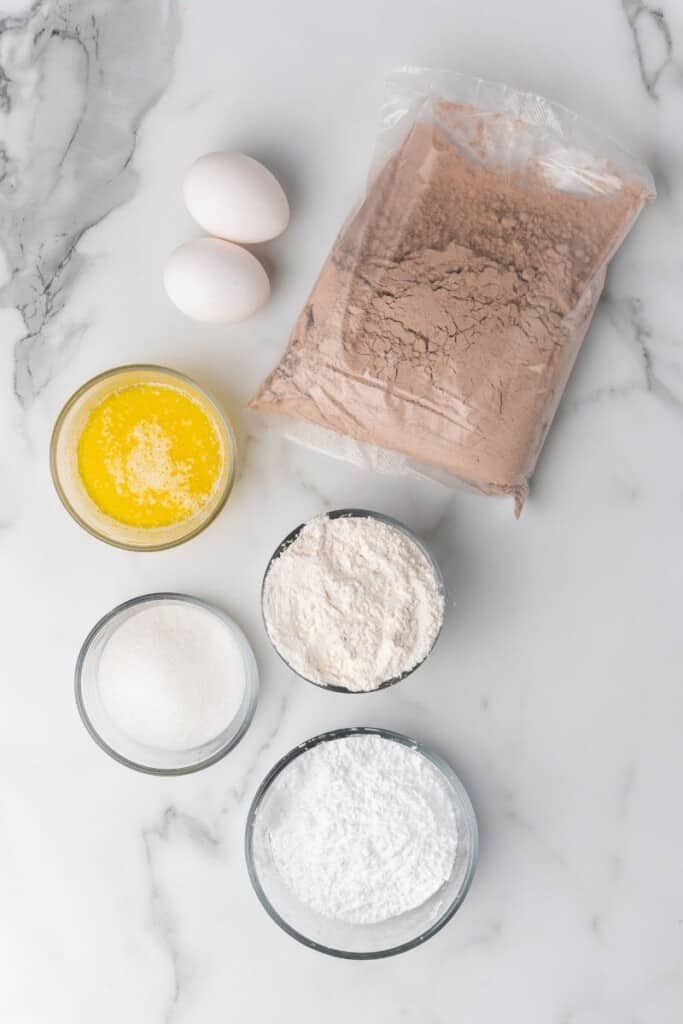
x=303 y=477
x=162 y=917
x=598 y=395
x=198 y=832
x=653 y=41
x=73 y=110
x=207 y=838
x=629 y=316
x=529 y=828
x=626 y=790
x=239 y=792
x=484 y=934
x=600 y=919
x=5 y=102
x=195 y=829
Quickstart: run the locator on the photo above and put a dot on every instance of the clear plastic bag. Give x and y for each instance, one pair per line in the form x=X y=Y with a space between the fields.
x=445 y=322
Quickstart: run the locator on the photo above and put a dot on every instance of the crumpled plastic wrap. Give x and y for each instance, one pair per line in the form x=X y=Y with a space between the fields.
x=442 y=330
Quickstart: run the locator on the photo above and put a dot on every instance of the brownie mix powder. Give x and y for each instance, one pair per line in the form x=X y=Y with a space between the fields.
x=448 y=315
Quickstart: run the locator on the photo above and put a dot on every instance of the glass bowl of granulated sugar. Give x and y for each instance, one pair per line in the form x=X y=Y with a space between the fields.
x=361 y=843
x=166 y=683
x=353 y=601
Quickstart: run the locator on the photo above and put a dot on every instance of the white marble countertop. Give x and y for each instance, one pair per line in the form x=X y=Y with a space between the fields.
x=556 y=689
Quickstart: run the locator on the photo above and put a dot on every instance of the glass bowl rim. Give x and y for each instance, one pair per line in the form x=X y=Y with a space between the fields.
x=102 y=623
x=83 y=389
x=461 y=796
x=357 y=513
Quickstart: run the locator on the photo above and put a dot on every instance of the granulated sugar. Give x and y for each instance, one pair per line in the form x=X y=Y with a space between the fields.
x=172 y=676
x=362 y=829
x=352 y=602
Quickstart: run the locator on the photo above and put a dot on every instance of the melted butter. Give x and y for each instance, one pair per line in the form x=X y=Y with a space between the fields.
x=149 y=455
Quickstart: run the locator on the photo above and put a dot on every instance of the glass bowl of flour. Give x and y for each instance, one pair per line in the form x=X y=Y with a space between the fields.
x=361 y=843
x=353 y=601
x=166 y=683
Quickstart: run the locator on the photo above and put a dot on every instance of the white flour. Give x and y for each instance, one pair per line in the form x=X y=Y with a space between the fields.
x=172 y=675
x=352 y=602
x=362 y=828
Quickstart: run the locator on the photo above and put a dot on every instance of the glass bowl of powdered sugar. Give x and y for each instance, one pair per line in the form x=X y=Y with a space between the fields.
x=166 y=683
x=353 y=601
x=361 y=843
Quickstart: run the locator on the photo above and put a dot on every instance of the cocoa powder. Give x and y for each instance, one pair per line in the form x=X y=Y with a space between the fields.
x=448 y=315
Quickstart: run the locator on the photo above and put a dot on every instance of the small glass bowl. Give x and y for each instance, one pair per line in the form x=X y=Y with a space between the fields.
x=124 y=748
x=354 y=941
x=67 y=479
x=358 y=513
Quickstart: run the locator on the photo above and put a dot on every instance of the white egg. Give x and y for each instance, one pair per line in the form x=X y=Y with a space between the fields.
x=215 y=281
x=234 y=196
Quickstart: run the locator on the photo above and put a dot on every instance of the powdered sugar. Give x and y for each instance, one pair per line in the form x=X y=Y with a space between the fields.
x=352 y=602
x=362 y=828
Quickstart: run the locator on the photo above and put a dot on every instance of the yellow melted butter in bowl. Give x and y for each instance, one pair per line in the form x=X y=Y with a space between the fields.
x=142 y=457
x=150 y=456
